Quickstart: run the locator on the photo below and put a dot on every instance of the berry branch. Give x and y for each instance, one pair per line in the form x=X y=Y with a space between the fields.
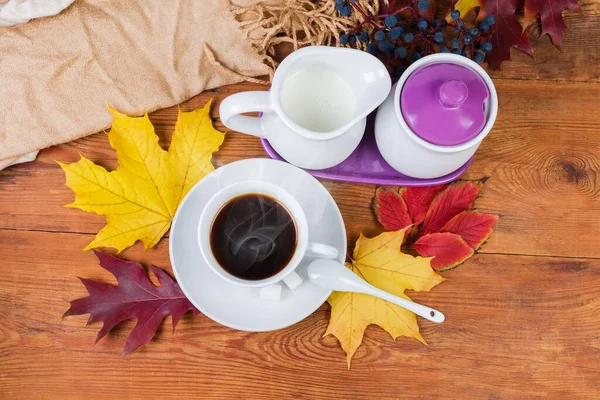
x=403 y=35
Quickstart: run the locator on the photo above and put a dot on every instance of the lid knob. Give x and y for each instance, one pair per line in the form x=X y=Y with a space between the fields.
x=444 y=103
x=453 y=93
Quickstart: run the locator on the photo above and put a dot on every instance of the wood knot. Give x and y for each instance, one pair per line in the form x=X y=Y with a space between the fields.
x=572 y=173
x=579 y=172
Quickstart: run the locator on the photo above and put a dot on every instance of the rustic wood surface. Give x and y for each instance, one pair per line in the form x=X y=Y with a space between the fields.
x=523 y=316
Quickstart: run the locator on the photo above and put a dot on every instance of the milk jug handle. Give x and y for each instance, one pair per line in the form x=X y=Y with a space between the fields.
x=233 y=106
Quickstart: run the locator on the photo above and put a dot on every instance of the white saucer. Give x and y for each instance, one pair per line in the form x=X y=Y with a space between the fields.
x=240 y=307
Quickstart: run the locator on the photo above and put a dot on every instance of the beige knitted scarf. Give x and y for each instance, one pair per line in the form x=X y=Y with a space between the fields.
x=58 y=73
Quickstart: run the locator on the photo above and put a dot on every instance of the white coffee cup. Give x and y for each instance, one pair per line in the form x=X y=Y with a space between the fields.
x=303 y=249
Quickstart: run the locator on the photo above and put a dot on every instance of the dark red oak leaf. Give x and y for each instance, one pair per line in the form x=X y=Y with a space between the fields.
x=550 y=12
x=448 y=250
x=475 y=228
x=133 y=297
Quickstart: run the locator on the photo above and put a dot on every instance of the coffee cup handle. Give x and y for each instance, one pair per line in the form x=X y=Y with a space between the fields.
x=320 y=250
x=317 y=250
x=232 y=108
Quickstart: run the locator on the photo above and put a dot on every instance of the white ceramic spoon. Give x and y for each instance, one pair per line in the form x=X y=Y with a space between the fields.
x=332 y=275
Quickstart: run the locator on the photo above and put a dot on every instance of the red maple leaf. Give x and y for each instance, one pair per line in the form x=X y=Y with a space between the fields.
x=507 y=32
x=550 y=12
x=445 y=226
x=133 y=297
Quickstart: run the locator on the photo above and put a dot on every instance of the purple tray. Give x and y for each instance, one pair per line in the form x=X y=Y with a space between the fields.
x=366 y=165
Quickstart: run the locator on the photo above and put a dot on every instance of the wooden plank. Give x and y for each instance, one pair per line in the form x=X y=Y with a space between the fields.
x=541 y=157
x=517 y=327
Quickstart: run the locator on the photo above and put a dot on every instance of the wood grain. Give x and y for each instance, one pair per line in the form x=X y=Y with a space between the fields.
x=541 y=157
x=514 y=330
x=522 y=315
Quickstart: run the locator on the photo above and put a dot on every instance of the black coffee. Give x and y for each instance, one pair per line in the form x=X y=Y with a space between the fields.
x=253 y=237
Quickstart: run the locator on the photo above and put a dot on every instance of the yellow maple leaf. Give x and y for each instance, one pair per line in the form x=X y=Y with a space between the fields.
x=140 y=197
x=380 y=262
x=464 y=6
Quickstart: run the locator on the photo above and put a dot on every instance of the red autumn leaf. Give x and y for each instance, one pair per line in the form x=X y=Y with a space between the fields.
x=449 y=250
x=455 y=199
x=550 y=12
x=391 y=209
x=418 y=199
x=472 y=226
x=133 y=297
x=507 y=31
x=450 y=230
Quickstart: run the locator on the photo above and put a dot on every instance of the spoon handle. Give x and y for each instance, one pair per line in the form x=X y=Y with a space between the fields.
x=332 y=275
x=423 y=311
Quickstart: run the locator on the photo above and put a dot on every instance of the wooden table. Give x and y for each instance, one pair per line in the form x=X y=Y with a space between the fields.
x=523 y=315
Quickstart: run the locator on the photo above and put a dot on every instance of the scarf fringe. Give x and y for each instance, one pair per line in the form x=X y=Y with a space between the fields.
x=268 y=23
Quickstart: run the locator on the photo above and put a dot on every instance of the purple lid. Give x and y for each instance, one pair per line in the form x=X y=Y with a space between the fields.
x=444 y=103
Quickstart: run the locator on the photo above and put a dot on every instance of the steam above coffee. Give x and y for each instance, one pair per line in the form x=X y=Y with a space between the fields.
x=253 y=237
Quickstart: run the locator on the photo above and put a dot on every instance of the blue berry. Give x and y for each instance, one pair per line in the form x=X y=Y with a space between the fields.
x=455 y=43
x=486 y=47
x=415 y=56
x=456 y=51
x=380 y=35
x=409 y=37
x=457 y=31
x=438 y=37
x=391 y=20
x=352 y=1
x=490 y=19
x=467 y=38
x=339 y=1
x=386 y=47
x=363 y=37
x=460 y=24
x=422 y=25
x=455 y=14
x=339 y=6
x=371 y=48
x=396 y=32
x=463 y=53
x=345 y=12
x=343 y=39
x=474 y=32
x=423 y=5
x=479 y=57
x=444 y=50
x=483 y=26
x=400 y=53
x=352 y=39
x=435 y=23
